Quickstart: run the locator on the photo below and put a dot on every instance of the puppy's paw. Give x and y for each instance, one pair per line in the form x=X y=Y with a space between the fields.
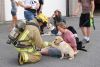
x=70 y=58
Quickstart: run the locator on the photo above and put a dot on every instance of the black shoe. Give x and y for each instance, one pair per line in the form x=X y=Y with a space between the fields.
x=88 y=41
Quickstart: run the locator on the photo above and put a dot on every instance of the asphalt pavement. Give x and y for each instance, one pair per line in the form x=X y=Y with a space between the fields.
x=8 y=54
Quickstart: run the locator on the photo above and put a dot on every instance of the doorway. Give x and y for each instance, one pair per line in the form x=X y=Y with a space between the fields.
x=97 y=7
x=67 y=8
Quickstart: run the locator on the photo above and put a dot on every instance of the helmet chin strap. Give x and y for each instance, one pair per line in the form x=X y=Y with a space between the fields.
x=21 y=29
x=20 y=26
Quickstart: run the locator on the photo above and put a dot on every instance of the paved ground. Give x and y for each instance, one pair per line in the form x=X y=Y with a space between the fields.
x=8 y=54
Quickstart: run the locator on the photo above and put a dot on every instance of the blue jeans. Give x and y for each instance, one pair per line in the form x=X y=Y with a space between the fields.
x=29 y=15
x=54 y=31
x=54 y=52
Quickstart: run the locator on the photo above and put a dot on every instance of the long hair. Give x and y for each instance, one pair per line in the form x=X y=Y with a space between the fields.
x=58 y=16
x=62 y=25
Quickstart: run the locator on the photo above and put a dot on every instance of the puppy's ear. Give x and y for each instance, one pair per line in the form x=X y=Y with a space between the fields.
x=53 y=45
x=53 y=42
x=60 y=40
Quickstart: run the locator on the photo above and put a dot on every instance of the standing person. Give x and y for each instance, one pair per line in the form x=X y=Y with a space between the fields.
x=86 y=18
x=14 y=5
x=41 y=2
x=30 y=7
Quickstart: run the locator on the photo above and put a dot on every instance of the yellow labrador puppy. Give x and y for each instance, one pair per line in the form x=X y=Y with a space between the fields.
x=65 y=48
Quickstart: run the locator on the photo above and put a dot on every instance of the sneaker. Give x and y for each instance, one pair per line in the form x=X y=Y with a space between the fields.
x=84 y=41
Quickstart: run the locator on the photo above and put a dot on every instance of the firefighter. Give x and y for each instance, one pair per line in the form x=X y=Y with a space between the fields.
x=26 y=39
x=44 y=20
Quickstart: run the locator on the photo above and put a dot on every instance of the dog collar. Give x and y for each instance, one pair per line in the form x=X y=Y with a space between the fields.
x=62 y=43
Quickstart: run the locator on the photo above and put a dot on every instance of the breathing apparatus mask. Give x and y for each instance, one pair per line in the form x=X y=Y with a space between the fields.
x=13 y=35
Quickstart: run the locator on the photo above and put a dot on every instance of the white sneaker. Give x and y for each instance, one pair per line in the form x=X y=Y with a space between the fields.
x=84 y=41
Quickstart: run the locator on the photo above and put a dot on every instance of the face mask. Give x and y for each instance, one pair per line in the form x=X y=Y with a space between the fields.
x=14 y=33
x=21 y=29
x=13 y=36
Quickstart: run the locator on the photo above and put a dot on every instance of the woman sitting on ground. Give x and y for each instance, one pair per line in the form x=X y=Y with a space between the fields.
x=67 y=36
x=57 y=17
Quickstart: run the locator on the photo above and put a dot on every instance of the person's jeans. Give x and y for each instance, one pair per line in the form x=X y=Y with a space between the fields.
x=29 y=15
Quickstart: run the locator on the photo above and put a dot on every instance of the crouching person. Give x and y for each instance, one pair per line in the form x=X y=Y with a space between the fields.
x=26 y=38
x=41 y=17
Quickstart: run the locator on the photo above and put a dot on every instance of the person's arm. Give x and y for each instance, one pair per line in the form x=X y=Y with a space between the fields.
x=25 y=5
x=20 y=3
x=72 y=41
x=36 y=37
x=35 y=5
x=92 y=7
x=77 y=9
x=16 y=1
x=53 y=15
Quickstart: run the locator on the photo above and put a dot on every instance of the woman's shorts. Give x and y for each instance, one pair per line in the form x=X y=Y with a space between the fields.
x=13 y=13
x=54 y=52
x=85 y=20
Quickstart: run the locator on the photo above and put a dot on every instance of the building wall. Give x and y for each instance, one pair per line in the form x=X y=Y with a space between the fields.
x=2 y=14
x=48 y=9
x=8 y=16
x=73 y=6
x=51 y=5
